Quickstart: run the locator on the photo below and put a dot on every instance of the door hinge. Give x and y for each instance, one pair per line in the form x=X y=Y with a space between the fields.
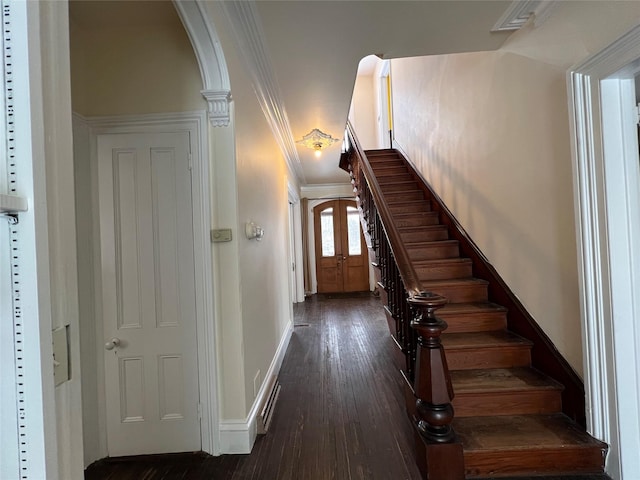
x=293 y=267
x=190 y=162
x=199 y=411
x=638 y=113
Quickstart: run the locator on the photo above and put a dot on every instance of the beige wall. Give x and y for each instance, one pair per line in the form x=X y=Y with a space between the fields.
x=119 y=70
x=262 y=196
x=362 y=113
x=490 y=132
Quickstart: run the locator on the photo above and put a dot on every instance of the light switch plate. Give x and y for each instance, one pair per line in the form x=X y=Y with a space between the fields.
x=221 y=235
x=60 y=355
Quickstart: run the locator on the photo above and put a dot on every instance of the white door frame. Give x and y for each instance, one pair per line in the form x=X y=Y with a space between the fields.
x=295 y=227
x=195 y=123
x=607 y=200
x=383 y=104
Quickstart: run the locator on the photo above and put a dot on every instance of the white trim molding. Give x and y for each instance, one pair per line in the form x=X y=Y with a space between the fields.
x=607 y=200
x=238 y=436
x=213 y=67
x=196 y=124
x=219 y=102
x=520 y=11
x=244 y=19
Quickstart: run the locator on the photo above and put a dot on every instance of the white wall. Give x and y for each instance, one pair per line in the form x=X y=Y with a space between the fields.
x=54 y=31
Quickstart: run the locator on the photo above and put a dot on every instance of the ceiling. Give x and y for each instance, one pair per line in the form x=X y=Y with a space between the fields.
x=314 y=47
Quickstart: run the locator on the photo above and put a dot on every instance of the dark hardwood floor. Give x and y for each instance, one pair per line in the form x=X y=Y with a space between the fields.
x=340 y=414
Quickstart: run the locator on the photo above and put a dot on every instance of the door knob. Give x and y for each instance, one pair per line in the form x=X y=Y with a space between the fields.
x=111 y=344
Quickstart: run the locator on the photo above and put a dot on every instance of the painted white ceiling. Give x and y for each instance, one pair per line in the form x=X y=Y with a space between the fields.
x=315 y=47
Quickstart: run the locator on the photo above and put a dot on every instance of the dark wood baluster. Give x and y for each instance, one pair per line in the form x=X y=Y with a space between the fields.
x=409 y=347
x=432 y=385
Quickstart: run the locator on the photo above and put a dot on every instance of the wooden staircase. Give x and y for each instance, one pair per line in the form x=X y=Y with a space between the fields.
x=508 y=414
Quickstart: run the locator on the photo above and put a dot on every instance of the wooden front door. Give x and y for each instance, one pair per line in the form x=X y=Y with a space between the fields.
x=341 y=252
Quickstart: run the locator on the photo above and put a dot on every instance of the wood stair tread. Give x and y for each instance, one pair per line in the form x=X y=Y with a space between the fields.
x=474 y=340
x=432 y=243
x=411 y=215
x=522 y=432
x=453 y=282
x=398 y=203
x=458 y=309
x=424 y=228
x=409 y=181
x=394 y=178
x=528 y=445
x=492 y=380
x=406 y=192
x=440 y=261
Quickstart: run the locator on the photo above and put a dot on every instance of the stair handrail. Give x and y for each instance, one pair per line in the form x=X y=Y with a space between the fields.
x=409 y=276
x=441 y=451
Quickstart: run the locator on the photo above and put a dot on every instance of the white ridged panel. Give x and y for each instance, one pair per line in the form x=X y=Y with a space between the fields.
x=171 y=387
x=125 y=208
x=165 y=236
x=132 y=389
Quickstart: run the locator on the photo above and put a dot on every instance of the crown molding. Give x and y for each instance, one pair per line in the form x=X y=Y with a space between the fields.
x=520 y=11
x=213 y=67
x=246 y=28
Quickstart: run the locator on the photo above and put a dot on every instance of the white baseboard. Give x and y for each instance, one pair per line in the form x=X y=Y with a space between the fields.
x=238 y=436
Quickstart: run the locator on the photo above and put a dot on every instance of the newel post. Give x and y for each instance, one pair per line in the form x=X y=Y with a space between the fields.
x=439 y=451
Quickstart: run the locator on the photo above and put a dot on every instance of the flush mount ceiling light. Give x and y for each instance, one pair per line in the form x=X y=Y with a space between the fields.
x=317 y=140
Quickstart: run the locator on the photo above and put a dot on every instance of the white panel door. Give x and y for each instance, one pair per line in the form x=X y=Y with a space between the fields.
x=146 y=233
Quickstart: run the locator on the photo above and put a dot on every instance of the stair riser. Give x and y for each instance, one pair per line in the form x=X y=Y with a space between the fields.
x=413 y=208
x=474 y=358
x=537 y=461
x=379 y=164
x=403 y=177
x=424 y=236
x=509 y=403
x=433 y=252
x=463 y=293
x=398 y=187
x=383 y=158
x=391 y=170
x=404 y=196
x=485 y=322
x=418 y=220
x=444 y=272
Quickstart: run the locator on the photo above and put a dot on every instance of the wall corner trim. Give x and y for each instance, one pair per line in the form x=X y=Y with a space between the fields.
x=238 y=436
